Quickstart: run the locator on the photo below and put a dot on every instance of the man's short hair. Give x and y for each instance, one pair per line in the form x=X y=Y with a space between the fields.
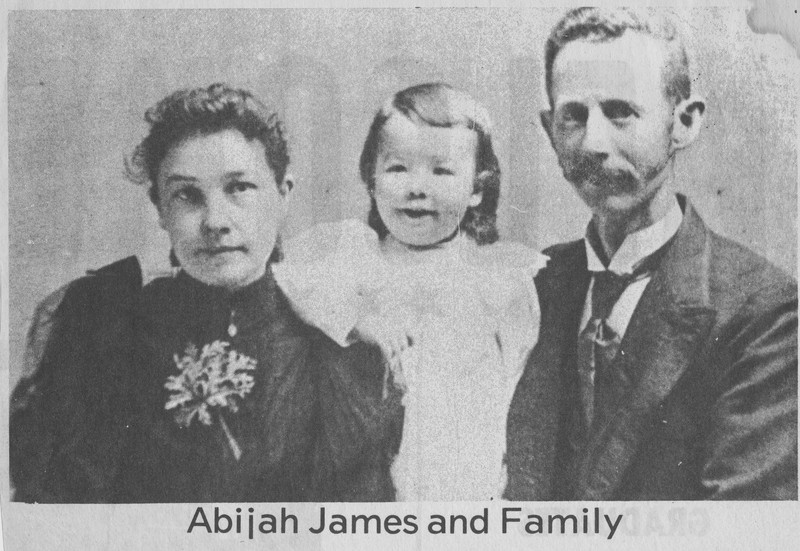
x=606 y=24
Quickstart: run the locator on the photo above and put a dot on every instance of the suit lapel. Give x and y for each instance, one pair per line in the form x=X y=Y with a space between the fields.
x=536 y=413
x=670 y=321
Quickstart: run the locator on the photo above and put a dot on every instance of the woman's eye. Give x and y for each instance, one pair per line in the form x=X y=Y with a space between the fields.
x=396 y=168
x=187 y=195
x=240 y=187
x=442 y=171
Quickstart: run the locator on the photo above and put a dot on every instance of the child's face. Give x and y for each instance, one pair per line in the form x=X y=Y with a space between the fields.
x=424 y=179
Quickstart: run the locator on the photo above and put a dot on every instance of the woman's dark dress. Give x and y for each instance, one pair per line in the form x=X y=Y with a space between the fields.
x=90 y=426
x=274 y=425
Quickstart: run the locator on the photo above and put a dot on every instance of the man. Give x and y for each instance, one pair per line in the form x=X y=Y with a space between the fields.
x=667 y=362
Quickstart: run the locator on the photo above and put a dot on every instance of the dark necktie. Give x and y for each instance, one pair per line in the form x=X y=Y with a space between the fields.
x=598 y=343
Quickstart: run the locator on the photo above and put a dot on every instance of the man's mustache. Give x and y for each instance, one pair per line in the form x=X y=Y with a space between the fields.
x=590 y=170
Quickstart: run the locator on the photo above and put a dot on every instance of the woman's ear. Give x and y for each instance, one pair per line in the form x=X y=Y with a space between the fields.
x=152 y=193
x=687 y=121
x=162 y=216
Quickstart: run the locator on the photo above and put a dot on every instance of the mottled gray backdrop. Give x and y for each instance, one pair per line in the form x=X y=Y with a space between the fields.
x=79 y=82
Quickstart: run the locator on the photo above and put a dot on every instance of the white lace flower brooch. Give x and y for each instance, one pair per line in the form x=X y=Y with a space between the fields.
x=209 y=383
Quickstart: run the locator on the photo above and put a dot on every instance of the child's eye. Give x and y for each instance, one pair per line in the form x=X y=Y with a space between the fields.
x=240 y=187
x=442 y=171
x=396 y=168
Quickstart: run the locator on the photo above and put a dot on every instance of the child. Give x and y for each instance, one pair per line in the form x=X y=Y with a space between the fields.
x=454 y=313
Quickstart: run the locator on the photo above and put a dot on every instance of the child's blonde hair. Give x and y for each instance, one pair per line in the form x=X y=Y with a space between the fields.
x=440 y=105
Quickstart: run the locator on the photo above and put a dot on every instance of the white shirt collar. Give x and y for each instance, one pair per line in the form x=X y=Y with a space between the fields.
x=639 y=244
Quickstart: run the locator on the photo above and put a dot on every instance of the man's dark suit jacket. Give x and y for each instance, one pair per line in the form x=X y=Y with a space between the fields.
x=711 y=355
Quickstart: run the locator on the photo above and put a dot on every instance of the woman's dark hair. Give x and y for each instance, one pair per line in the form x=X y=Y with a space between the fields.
x=438 y=104
x=203 y=111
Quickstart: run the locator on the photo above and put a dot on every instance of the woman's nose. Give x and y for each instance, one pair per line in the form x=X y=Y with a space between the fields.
x=217 y=215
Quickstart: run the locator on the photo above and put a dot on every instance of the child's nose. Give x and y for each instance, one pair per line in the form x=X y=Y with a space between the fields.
x=418 y=184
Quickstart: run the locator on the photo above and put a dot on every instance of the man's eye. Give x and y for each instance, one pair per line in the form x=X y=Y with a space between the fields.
x=618 y=110
x=442 y=171
x=395 y=168
x=573 y=114
x=240 y=187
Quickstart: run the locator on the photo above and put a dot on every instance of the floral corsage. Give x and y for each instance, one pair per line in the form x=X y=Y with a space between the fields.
x=210 y=382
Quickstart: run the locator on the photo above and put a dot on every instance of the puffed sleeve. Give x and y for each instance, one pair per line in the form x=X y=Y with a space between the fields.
x=38 y=334
x=328 y=274
x=511 y=295
x=69 y=413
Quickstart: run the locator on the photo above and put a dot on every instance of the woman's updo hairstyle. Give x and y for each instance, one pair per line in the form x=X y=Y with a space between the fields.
x=204 y=111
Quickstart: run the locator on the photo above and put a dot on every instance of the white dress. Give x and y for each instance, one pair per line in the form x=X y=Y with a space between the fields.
x=474 y=316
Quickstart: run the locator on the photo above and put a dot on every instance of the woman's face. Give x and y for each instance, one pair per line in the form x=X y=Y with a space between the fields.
x=218 y=201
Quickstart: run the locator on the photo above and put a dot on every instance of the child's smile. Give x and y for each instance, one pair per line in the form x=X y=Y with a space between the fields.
x=424 y=179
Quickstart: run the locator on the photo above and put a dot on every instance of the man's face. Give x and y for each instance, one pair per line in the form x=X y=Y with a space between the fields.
x=611 y=124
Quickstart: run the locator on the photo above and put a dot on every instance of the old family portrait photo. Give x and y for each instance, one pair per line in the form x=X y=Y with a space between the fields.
x=402 y=255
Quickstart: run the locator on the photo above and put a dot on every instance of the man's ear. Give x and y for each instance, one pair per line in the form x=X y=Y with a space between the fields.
x=687 y=121
x=546 y=116
x=286 y=185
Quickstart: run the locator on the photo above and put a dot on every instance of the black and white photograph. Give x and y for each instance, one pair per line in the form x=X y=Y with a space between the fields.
x=401 y=276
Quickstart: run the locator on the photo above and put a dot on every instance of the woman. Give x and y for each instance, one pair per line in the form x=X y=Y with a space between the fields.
x=197 y=387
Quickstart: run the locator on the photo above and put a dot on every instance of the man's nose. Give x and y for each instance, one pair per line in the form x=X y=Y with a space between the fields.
x=597 y=136
x=217 y=215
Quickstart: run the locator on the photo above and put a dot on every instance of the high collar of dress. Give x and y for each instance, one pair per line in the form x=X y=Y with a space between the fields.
x=250 y=302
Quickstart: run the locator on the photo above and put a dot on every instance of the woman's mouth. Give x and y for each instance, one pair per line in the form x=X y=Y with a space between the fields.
x=418 y=213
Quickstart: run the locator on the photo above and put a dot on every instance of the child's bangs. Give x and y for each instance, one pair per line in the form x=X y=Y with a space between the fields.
x=442 y=107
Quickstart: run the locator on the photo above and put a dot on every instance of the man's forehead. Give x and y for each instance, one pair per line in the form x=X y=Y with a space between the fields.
x=627 y=67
